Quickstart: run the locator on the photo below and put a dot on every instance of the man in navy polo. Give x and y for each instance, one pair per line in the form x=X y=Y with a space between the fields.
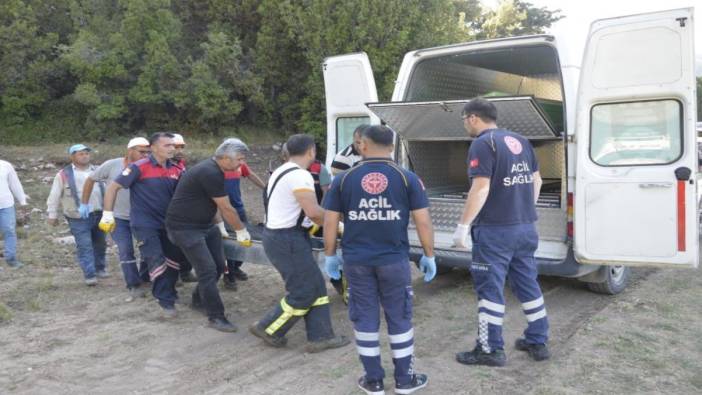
x=151 y=182
x=501 y=207
x=377 y=198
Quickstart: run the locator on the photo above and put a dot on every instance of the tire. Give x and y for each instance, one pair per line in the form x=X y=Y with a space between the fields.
x=616 y=279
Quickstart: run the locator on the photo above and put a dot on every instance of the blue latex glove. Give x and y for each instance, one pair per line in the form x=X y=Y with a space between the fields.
x=428 y=266
x=332 y=265
x=84 y=210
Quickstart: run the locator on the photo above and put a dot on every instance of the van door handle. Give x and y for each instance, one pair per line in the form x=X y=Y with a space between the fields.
x=652 y=185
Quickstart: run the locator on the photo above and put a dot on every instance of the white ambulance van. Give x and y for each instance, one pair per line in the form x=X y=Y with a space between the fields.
x=613 y=127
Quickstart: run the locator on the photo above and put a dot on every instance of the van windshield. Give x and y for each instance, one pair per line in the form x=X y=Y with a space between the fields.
x=515 y=71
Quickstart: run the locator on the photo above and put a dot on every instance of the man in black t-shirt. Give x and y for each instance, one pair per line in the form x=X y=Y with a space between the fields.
x=192 y=224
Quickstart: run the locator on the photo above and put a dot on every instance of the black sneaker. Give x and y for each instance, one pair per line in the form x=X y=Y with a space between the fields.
x=327 y=344
x=229 y=284
x=272 y=341
x=537 y=352
x=480 y=357
x=418 y=382
x=371 y=387
x=222 y=325
x=240 y=274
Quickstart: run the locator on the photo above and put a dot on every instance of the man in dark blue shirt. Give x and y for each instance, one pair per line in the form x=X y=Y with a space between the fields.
x=376 y=198
x=501 y=209
x=151 y=182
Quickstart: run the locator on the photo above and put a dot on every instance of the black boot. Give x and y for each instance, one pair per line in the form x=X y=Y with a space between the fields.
x=418 y=382
x=371 y=387
x=480 y=357
x=537 y=352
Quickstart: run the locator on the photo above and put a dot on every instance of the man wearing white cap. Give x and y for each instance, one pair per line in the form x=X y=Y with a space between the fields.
x=186 y=269
x=66 y=192
x=137 y=148
x=179 y=144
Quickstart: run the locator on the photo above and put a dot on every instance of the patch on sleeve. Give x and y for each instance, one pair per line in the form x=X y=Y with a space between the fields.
x=126 y=171
x=474 y=163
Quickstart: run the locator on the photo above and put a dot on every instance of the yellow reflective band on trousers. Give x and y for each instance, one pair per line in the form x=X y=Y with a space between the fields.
x=320 y=301
x=289 y=312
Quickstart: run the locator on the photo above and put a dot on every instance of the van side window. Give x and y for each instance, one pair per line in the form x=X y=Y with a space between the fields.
x=636 y=133
x=344 y=130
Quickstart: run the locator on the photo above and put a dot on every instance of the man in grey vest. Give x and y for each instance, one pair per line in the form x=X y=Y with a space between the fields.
x=66 y=192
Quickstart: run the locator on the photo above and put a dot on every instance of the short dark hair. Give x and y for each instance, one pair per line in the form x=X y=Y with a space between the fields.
x=380 y=135
x=299 y=144
x=484 y=109
x=360 y=128
x=158 y=135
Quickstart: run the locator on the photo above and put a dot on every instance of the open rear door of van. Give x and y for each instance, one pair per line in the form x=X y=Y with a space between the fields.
x=635 y=193
x=348 y=85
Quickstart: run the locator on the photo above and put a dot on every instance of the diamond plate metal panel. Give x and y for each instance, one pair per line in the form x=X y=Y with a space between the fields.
x=440 y=163
x=551 y=158
x=442 y=120
x=445 y=214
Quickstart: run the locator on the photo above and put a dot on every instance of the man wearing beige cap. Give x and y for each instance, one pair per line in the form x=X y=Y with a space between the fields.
x=137 y=148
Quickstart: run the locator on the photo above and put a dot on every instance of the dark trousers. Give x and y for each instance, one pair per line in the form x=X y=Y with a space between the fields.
x=233 y=265
x=203 y=249
x=122 y=236
x=389 y=286
x=290 y=251
x=501 y=252
x=162 y=258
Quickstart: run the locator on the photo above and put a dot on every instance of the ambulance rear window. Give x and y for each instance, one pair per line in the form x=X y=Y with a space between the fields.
x=636 y=133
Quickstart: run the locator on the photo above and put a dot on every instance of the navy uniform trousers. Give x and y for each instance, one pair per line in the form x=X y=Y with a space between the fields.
x=290 y=251
x=388 y=286
x=501 y=252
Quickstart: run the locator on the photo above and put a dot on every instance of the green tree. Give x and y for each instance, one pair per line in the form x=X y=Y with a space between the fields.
x=513 y=18
x=26 y=61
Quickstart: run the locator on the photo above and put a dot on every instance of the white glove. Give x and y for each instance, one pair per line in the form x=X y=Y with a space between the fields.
x=460 y=236
x=222 y=229
x=243 y=237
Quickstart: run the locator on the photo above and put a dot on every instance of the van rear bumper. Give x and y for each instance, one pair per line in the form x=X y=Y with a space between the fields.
x=567 y=267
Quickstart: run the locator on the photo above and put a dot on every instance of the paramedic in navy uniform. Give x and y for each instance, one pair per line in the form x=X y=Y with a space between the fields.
x=376 y=198
x=500 y=212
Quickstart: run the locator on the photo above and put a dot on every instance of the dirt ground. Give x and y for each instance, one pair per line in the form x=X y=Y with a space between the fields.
x=59 y=336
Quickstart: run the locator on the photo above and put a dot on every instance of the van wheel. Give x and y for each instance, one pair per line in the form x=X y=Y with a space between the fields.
x=616 y=279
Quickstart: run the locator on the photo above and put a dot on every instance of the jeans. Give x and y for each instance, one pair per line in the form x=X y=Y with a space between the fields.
x=7 y=227
x=90 y=243
x=122 y=236
x=162 y=259
x=389 y=286
x=203 y=248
